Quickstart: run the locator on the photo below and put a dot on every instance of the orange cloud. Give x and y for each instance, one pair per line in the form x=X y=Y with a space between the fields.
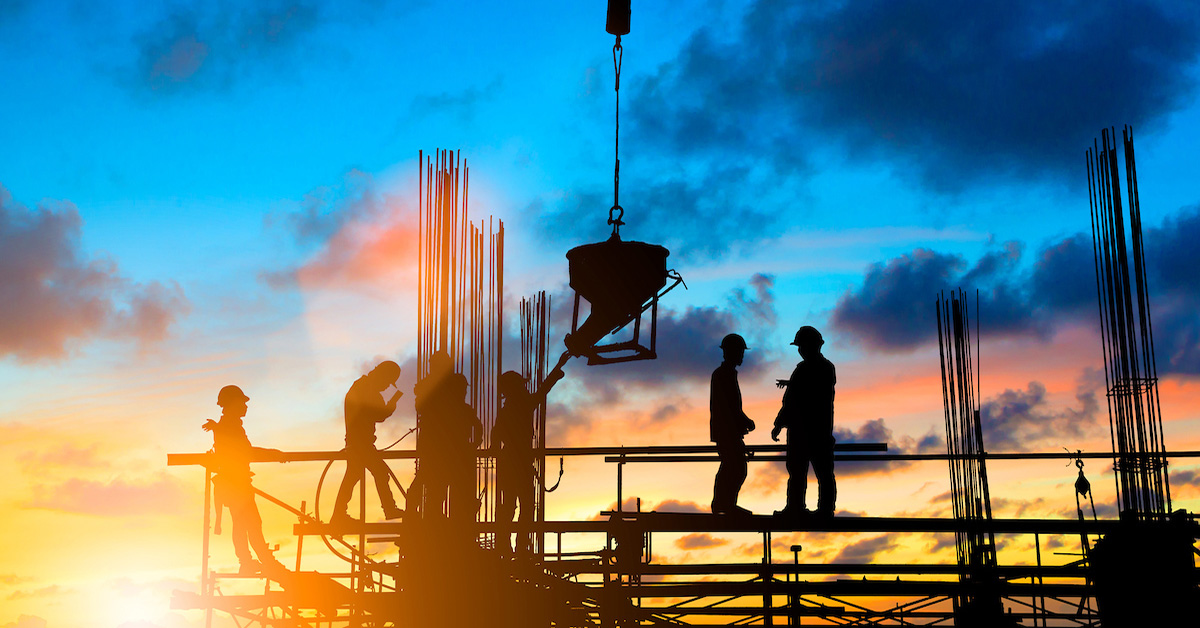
x=47 y=591
x=366 y=253
x=27 y=621
x=63 y=456
x=365 y=238
x=165 y=495
x=699 y=541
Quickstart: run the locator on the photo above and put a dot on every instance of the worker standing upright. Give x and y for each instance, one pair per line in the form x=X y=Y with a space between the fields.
x=512 y=442
x=807 y=413
x=451 y=433
x=727 y=427
x=232 y=480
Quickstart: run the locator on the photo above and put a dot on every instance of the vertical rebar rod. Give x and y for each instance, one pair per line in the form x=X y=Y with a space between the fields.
x=460 y=285
x=958 y=352
x=1127 y=338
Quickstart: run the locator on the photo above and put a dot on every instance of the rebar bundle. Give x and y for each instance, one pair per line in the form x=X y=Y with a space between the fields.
x=964 y=444
x=461 y=287
x=535 y=330
x=1126 y=333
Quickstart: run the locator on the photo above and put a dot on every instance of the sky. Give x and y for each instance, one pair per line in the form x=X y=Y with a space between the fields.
x=195 y=194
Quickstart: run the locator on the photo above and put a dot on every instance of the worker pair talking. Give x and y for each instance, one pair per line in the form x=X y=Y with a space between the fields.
x=806 y=413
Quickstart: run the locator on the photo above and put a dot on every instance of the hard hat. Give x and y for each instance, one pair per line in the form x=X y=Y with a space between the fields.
x=511 y=379
x=457 y=381
x=389 y=370
x=734 y=341
x=808 y=335
x=440 y=362
x=231 y=394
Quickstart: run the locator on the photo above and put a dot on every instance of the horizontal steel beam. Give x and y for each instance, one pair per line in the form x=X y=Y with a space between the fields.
x=784 y=569
x=704 y=522
x=912 y=457
x=677 y=453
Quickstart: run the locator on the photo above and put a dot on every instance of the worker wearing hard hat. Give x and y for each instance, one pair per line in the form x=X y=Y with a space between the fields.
x=512 y=443
x=450 y=434
x=232 y=481
x=364 y=408
x=807 y=413
x=727 y=427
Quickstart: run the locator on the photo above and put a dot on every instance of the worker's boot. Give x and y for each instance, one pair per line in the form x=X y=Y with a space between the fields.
x=250 y=568
x=342 y=518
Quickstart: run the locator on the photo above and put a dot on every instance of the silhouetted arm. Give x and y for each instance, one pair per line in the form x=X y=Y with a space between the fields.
x=547 y=384
x=787 y=408
x=267 y=453
x=389 y=408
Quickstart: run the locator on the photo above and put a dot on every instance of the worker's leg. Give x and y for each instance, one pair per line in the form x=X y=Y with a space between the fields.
x=730 y=475
x=241 y=545
x=464 y=501
x=525 y=491
x=354 y=471
x=797 y=468
x=826 y=484
x=506 y=505
x=254 y=531
x=379 y=471
x=436 y=488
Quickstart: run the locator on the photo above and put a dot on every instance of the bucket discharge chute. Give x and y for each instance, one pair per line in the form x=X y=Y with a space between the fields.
x=620 y=280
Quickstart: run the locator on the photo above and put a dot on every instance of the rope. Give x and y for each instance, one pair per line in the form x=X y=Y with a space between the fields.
x=399 y=439
x=542 y=480
x=325 y=538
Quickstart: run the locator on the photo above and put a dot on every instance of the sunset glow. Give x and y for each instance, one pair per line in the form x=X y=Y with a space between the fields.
x=201 y=194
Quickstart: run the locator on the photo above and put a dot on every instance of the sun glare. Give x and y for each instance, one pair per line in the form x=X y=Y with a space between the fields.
x=136 y=608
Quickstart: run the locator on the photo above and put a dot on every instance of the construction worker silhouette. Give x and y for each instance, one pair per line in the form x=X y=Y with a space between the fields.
x=807 y=413
x=364 y=407
x=428 y=396
x=450 y=434
x=232 y=480
x=727 y=427
x=512 y=443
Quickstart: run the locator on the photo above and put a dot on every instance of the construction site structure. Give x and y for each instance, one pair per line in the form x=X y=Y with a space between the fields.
x=1149 y=559
x=979 y=603
x=604 y=572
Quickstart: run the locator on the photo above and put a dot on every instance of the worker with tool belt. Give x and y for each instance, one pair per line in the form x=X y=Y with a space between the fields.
x=232 y=481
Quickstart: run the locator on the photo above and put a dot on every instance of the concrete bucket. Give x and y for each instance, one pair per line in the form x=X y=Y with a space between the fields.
x=620 y=280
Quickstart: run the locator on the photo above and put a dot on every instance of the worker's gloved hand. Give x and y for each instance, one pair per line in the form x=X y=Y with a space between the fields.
x=775 y=433
x=209 y=425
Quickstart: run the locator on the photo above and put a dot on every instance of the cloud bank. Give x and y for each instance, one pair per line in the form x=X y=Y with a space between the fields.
x=357 y=237
x=954 y=95
x=892 y=310
x=54 y=297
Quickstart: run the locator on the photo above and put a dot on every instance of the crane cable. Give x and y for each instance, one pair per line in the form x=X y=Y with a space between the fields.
x=618 y=55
